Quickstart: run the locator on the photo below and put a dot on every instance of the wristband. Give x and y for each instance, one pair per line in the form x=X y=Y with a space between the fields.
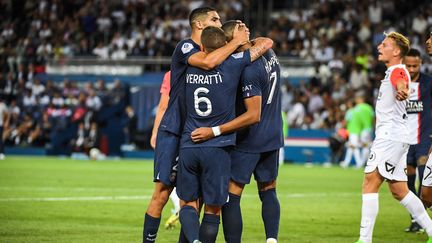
x=216 y=131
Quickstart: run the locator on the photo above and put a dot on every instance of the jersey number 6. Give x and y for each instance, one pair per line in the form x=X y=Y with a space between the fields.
x=198 y=100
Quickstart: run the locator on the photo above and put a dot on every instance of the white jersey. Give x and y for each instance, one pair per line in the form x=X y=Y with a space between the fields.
x=391 y=115
x=3 y=110
x=414 y=117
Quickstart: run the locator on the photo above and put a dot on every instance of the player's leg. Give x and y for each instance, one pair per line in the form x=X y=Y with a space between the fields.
x=397 y=178
x=426 y=192
x=411 y=175
x=232 y=215
x=189 y=219
x=371 y=184
x=270 y=209
x=210 y=224
x=165 y=177
x=173 y=219
x=412 y=203
x=154 y=211
x=242 y=166
x=215 y=167
x=188 y=190
x=348 y=154
x=265 y=174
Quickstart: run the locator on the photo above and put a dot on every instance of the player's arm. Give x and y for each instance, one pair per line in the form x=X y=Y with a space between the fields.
x=259 y=47
x=399 y=80
x=163 y=105
x=208 y=61
x=250 y=117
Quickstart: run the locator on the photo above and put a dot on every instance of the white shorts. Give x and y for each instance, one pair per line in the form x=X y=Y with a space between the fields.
x=427 y=176
x=354 y=140
x=390 y=159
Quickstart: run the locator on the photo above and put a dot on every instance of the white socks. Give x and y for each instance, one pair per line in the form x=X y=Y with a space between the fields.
x=369 y=214
x=175 y=199
x=413 y=204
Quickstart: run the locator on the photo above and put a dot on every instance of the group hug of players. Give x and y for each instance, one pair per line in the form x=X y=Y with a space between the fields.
x=222 y=123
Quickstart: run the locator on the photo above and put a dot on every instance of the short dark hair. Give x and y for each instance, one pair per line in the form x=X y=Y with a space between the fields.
x=213 y=38
x=228 y=28
x=199 y=12
x=413 y=53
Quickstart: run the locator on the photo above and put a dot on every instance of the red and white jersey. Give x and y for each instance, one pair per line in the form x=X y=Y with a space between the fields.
x=391 y=115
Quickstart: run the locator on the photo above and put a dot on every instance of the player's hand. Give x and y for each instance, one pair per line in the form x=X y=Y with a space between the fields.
x=241 y=34
x=202 y=134
x=153 y=141
x=402 y=95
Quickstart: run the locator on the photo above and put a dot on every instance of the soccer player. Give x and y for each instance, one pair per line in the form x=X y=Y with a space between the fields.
x=171 y=125
x=419 y=121
x=204 y=167
x=426 y=191
x=354 y=127
x=387 y=160
x=366 y=114
x=163 y=104
x=257 y=148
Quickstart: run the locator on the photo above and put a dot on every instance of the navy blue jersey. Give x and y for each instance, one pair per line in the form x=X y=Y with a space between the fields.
x=262 y=78
x=419 y=108
x=173 y=119
x=210 y=99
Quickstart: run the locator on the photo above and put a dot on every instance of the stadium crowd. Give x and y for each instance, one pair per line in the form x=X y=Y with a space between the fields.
x=338 y=36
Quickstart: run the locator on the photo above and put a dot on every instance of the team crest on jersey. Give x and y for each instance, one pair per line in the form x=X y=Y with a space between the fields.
x=187 y=47
x=237 y=55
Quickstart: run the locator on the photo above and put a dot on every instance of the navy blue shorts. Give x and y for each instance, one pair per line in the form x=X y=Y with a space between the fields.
x=264 y=166
x=416 y=151
x=166 y=158
x=204 y=172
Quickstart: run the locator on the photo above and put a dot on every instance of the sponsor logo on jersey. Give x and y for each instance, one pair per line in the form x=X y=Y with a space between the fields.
x=414 y=106
x=187 y=47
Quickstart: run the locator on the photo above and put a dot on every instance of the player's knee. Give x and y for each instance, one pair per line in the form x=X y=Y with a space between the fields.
x=212 y=209
x=426 y=197
x=411 y=170
x=264 y=186
x=235 y=188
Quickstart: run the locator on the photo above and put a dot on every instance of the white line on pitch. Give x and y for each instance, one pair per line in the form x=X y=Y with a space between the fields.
x=114 y=198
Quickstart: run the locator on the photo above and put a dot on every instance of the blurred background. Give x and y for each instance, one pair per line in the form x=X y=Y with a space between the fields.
x=77 y=75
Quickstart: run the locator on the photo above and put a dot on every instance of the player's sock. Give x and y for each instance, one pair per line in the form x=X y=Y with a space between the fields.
x=175 y=200
x=411 y=183
x=413 y=204
x=209 y=228
x=369 y=214
x=232 y=219
x=190 y=222
x=182 y=237
x=421 y=169
x=270 y=212
x=151 y=226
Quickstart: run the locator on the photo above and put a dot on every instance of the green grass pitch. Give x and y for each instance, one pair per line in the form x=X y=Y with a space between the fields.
x=46 y=199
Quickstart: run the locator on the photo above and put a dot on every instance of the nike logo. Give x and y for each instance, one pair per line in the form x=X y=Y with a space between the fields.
x=152 y=235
